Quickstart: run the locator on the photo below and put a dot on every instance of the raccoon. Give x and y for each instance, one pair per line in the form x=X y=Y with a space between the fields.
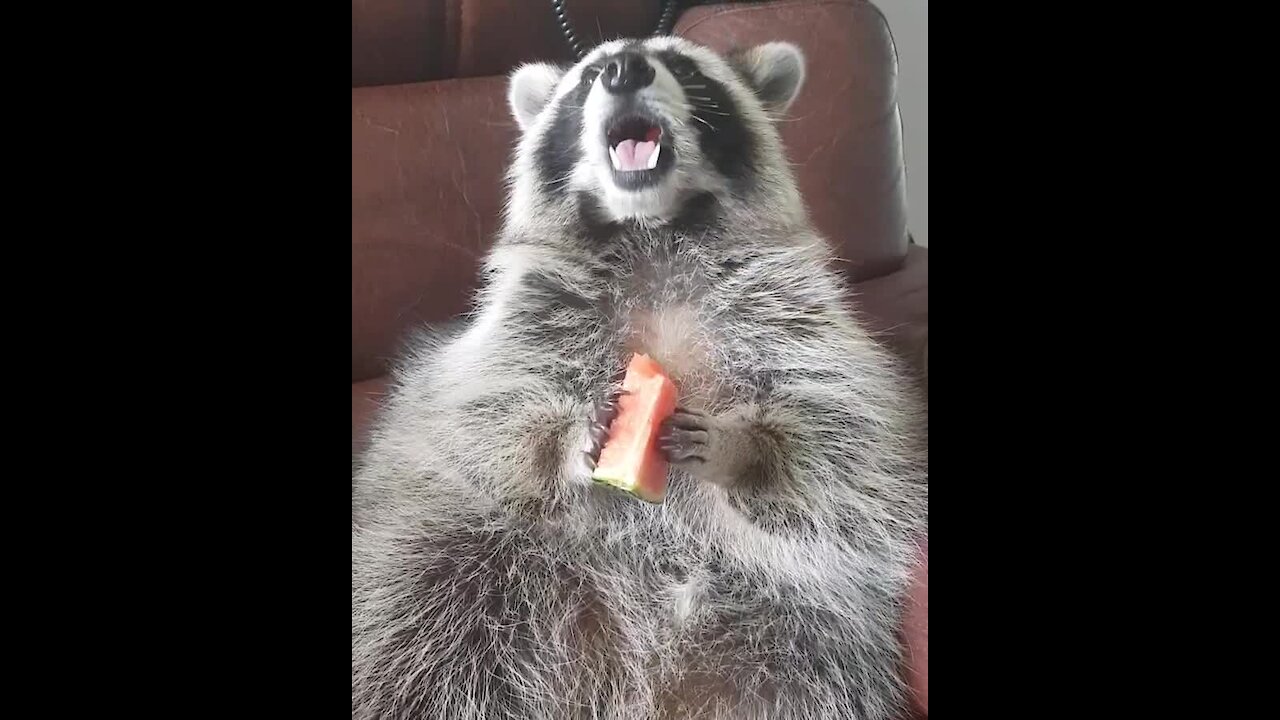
x=651 y=209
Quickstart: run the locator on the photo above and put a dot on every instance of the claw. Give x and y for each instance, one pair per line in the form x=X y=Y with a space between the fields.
x=600 y=418
x=684 y=438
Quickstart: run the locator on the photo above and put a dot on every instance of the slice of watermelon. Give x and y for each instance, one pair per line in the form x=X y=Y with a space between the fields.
x=630 y=459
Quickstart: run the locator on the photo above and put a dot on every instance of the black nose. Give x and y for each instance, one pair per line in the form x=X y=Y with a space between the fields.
x=627 y=72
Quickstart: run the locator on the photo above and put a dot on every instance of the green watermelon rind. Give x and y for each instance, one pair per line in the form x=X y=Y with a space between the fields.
x=614 y=480
x=622 y=484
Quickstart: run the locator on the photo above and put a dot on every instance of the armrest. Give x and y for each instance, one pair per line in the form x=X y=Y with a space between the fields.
x=895 y=307
x=366 y=398
x=915 y=630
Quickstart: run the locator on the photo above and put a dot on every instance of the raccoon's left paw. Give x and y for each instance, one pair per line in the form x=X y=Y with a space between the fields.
x=685 y=437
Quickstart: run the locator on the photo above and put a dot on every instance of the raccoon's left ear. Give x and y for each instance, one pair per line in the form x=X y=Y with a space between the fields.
x=775 y=71
x=531 y=88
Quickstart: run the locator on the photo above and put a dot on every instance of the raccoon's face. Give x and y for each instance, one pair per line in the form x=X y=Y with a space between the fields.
x=642 y=126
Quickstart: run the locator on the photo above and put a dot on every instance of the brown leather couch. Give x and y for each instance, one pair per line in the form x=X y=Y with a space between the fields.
x=430 y=134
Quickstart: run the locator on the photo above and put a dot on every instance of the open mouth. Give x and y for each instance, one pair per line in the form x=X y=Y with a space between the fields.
x=635 y=144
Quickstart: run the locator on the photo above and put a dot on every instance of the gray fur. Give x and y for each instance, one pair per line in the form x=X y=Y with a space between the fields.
x=492 y=579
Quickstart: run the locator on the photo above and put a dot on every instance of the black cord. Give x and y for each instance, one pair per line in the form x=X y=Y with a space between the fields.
x=667 y=19
x=567 y=29
x=665 y=22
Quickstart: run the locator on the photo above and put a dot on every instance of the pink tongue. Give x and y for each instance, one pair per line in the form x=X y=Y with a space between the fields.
x=634 y=155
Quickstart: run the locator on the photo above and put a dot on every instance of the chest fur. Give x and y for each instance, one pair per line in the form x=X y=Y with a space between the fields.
x=675 y=336
x=668 y=317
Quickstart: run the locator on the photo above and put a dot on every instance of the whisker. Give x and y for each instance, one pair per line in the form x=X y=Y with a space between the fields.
x=670 y=106
x=704 y=122
x=672 y=115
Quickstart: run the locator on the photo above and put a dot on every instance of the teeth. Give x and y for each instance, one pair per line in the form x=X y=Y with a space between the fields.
x=617 y=164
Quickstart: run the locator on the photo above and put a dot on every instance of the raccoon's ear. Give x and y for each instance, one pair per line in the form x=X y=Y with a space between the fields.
x=775 y=71
x=531 y=88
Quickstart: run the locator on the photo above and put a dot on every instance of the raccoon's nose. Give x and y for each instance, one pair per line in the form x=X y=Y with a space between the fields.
x=627 y=72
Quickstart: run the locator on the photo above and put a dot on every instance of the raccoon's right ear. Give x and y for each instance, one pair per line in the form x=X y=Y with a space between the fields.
x=532 y=87
x=775 y=71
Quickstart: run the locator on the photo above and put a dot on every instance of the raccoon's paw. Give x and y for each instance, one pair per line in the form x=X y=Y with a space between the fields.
x=720 y=449
x=602 y=414
x=685 y=437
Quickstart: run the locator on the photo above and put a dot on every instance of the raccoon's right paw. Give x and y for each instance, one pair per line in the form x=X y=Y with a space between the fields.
x=602 y=414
